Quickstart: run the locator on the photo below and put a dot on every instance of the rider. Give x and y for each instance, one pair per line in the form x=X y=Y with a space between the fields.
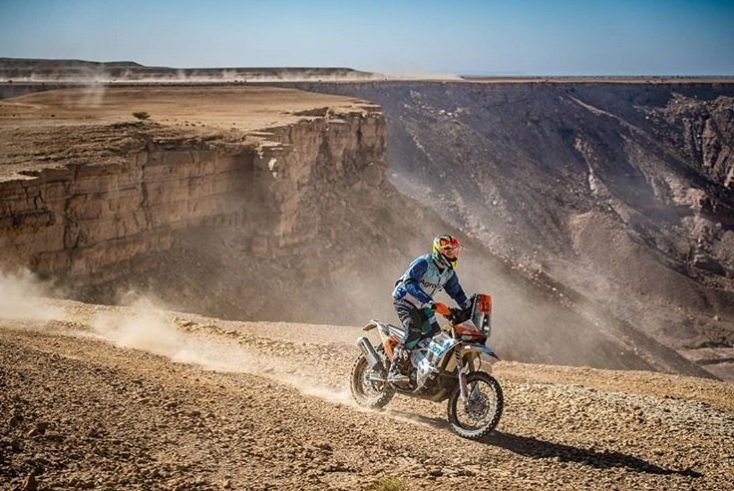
x=412 y=297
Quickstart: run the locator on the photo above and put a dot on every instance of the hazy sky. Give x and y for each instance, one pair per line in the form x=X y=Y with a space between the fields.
x=516 y=37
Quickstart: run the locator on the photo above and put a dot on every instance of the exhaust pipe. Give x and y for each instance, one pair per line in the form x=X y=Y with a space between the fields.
x=373 y=359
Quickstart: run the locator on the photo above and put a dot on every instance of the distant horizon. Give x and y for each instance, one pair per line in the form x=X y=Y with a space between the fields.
x=304 y=67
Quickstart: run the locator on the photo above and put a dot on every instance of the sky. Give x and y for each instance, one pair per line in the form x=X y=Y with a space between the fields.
x=482 y=37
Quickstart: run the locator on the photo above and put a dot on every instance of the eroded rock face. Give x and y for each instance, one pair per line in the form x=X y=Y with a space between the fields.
x=290 y=221
x=704 y=129
x=88 y=222
x=77 y=220
x=620 y=192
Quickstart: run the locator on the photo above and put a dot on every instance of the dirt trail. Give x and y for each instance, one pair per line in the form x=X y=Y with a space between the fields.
x=123 y=398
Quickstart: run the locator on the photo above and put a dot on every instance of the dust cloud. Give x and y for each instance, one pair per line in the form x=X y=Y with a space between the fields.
x=145 y=325
x=99 y=76
x=21 y=298
x=92 y=95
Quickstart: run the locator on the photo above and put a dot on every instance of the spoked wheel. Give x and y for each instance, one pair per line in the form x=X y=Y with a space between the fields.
x=367 y=391
x=482 y=410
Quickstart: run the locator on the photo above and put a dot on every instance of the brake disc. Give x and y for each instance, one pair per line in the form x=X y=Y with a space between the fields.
x=476 y=408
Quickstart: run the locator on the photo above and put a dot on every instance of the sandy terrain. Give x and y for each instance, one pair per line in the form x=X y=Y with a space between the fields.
x=98 y=397
x=96 y=125
x=221 y=107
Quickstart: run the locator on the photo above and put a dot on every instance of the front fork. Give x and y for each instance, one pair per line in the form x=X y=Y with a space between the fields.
x=463 y=389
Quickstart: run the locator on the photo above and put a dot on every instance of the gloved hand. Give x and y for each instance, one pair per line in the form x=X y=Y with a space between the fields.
x=440 y=308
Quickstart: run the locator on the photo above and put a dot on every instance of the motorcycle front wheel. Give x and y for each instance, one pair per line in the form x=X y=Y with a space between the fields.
x=481 y=412
x=369 y=393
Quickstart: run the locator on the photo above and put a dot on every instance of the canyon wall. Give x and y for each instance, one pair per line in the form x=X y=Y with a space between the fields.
x=87 y=221
x=90 y=222
x=620 y=194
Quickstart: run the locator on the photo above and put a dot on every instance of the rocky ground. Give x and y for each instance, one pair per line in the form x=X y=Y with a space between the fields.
x=97 y=397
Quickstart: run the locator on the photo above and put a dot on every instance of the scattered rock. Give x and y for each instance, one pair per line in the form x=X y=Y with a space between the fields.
x=30 y=483
x=324 y=446
x=39 y=429
x=54 y=437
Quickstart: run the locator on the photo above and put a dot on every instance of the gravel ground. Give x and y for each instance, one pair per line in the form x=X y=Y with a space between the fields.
x=121 y=398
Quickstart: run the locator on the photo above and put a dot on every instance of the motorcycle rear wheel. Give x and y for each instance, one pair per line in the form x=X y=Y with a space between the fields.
x=367 y=393
x=483 y=409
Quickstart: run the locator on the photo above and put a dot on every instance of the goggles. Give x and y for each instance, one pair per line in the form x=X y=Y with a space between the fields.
x=450 y=249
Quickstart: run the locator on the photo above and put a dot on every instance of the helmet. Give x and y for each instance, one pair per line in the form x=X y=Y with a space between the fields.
x=446 y=250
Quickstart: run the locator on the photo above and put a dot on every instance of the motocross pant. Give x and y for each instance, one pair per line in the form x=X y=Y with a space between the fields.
x=412 y=319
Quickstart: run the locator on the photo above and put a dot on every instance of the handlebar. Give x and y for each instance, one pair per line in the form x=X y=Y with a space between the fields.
x=452 y=314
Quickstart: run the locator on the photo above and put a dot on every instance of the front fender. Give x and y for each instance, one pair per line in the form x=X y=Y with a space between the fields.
x=484 y=352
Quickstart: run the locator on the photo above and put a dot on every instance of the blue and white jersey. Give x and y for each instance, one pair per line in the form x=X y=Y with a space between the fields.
x=424 y=279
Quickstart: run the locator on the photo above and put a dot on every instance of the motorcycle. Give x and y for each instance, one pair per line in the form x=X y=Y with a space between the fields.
x=451 y=363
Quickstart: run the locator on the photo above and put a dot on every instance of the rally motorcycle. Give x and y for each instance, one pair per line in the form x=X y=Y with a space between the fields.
x=451 y=363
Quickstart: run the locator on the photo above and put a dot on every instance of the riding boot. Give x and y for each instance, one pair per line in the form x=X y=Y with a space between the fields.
x=397 y=367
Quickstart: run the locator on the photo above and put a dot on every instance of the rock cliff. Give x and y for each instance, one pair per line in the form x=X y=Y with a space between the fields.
x=88 y=215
